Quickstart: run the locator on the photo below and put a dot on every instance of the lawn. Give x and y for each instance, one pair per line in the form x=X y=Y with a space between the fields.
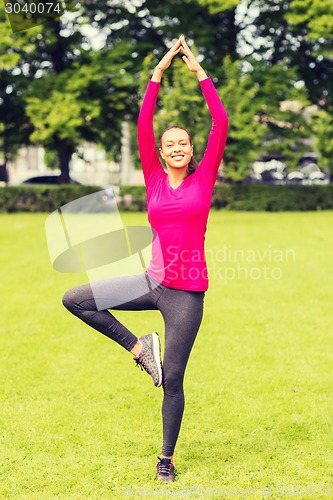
x=78 y=421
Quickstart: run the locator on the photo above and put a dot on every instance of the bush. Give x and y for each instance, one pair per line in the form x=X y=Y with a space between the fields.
x=272 y=198
x=40 y=198
x=133 y=198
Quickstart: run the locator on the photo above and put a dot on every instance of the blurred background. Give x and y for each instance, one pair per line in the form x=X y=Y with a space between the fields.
x=70 y=89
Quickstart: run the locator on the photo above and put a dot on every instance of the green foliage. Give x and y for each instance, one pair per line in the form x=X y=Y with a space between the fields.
x=249 y=197
x=279 y=107
x=257 y=121
x=13 y=48
x=15 y=127
x=57 y=90
x=212 y=27
x=317 y=15
x=323 y=132
x=85 y=101
x=40 y=198
x=284 y=29
x=51 y=159
x=272 y=198
x=74 y=94
x=220 y=5
x=57 y=107
x=133 y=198
x=245 y=131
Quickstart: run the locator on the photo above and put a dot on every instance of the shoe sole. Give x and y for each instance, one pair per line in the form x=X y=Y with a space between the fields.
x=157 y=357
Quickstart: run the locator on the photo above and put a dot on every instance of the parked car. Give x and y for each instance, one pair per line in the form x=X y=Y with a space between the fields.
x=295 y=177
x=307 y=158
x=309 y=167
x=273 y=170
x=269 y=169
x=47 y=179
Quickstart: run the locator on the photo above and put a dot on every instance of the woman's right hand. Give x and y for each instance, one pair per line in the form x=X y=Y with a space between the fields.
x=166 y=61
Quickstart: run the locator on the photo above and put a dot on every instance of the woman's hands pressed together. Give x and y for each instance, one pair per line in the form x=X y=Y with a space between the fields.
x=167 y=59
x=188 y=58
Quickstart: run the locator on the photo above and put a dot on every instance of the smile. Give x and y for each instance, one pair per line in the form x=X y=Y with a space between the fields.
x=177 y=157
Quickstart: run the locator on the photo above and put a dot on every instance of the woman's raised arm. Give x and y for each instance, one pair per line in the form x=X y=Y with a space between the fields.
x=210 y=163
x=151 y=165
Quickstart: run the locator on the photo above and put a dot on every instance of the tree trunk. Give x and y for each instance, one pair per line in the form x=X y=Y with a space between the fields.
x=3 y=168
x=64 y=152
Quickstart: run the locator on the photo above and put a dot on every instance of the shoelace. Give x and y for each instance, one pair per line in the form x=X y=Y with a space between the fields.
x=164 y=467
x=140 y=363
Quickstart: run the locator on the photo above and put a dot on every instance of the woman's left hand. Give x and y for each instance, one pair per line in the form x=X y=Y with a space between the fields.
x=191 y=62
x=188 y=57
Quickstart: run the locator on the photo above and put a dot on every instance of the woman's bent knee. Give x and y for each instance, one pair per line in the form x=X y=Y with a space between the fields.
x=79 y=299
x=69 y=299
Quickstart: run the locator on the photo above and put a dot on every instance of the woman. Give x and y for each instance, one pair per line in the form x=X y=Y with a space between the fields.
x=178 y=204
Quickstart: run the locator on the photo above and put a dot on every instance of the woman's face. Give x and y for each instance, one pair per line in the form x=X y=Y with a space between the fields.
x=176 y=148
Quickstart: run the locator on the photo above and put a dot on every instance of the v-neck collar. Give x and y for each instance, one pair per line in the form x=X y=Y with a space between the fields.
x=174 y=190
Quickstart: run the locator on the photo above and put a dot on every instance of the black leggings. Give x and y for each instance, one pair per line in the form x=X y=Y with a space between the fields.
x=182 y=313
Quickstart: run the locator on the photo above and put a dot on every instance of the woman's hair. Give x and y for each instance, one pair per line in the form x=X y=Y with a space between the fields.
x=193 y=165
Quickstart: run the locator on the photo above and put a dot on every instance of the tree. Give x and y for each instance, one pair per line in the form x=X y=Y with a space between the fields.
x=246 y=132
x=77 y=93
x=150 y=24
x=317 y=15
x=323 y=132
x=280 y=104
x=85 y=102
x=288 y=32
x=69 y=93
x=15 y=127
x=214 y=31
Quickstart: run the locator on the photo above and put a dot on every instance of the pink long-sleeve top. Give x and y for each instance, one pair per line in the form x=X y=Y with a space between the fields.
x=178 y=217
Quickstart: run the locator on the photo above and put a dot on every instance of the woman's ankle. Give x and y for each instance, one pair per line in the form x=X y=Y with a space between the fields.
x=137 y=348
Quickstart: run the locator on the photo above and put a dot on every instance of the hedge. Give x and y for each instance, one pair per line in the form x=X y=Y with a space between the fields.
x=251 y=197
x=270 y=198
x=133 y=198
x=40 y=198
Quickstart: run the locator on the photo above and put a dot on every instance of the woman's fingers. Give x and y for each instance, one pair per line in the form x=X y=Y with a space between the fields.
x=174 y=49
x=185 y=47
x=189 y=58
x=168 y=57
x=176 y=46
x=179 y=45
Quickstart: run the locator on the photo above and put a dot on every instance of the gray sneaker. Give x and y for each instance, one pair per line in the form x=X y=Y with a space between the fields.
x=149 y=358
x=165 y=470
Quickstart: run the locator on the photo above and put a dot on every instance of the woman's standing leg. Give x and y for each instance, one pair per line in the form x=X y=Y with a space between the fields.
x=182 y=312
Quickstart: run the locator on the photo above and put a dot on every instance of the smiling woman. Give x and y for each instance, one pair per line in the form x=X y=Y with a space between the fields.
x=175 y=282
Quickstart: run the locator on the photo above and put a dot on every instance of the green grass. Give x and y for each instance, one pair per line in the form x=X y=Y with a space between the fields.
x=78 y=421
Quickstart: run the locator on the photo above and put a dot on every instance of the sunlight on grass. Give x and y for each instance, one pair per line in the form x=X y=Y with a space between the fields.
x=79 y=421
